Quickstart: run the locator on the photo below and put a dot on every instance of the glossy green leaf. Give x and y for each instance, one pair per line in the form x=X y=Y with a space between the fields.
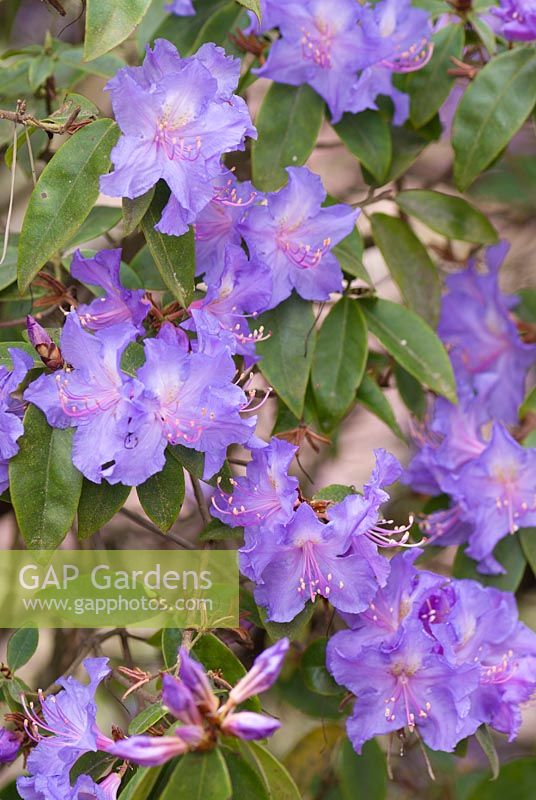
x=516 y=782
x=146 y=719
x=493 y=108
x=314 y=671
x=527 y=538
x=252 y=5
x=216 y=531
x=100 y=220
x=174 y=256
x=171 y=641
x=349 y=254
x=288 y=124
x=362 y=777
x=411 y=392
x=229 y=18
x=45 y=486
x=40 y=69
x=162 y=495
x=144 y=267
x=109 y=24
x=453 y=217
x=292 y=630
x=529 y=404
x=339 y=361
x=8 y=270
x=371 y=397
x=368 y=137
x=280 y=784
x=245 y=780
x=183 y=31
x=135 y=210
x=429 y=87
x=335 y=492
x=141 y=784
x=21 y=647
x=410 y=265
x=310 y=760
x=98 y=504
x=65 y=194
x=408 y=144
x=103 y=67
x=215 y=655
x=199 y=776
x=485 y=740
x=485 y=33
x=508 y=552
x=287 y=355
x=412 y=343
x=7 y=361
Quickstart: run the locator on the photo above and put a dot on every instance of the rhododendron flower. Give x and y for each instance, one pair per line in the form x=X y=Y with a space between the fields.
x=177 y=117
x=9 y=746
x=294 y=236
x=515 y=19
x=11 y=410
x=182 y=8
x=118 y=304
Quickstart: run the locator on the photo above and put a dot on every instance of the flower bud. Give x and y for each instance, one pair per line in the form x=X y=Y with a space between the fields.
x=9 y=746
x=262 y=675
x=47 y=350
x=248 y=725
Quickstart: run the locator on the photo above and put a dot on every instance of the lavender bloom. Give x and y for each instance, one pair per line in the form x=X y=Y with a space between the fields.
x=181 y=8
x=9 y=746
x=195 y=680
x=101 y=402
x=190 y=400
x=11 y=410
x=85 y=788
x=244 y=289
x=271 y=14
x=320 y=45
x=47 y=350
x=178 y=117
x=216 y=225
x=516 y=20
x=249 y=725
x=151 y=751
x=66 y=730
x=404 y=685
x=294 y=236
x=263 y=674
x=119 y=304
x=310 y=559
x=496 y=490
x=485 y=349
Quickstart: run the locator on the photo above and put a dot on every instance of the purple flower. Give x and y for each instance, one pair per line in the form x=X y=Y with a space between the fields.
x=9 y=746
x=101 y=402
x=403 y=685
x=496 y=491
x=11 y=410
x=85 y=788
x=178 y=117
x=310 y=559
x=294 y=236
x=151 y=751
x=64 y=730
x=182 y=8
x=47 y=350
x=216 y=225
x=517 y=20
x=196 y=682
x=482 y=338
x=244 y=289
x=118 y=304
x=320 y=45
x=271 y=14
x=190 y=400
x=249 y=725
x=263 y=674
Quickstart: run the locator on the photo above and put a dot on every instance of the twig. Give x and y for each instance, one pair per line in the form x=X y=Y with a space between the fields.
x=11 y=194
x=145 y=523
x=200 y=498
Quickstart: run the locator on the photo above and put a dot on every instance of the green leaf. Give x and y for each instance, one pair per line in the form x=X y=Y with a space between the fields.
x=453 y=217
x=339 y=361
x=171 y=641
x=183 y=31
x=103 y=67
x=21 y=647
x=412 y=343
x=410 y=265
x=349 y=254
x=527 y=538
x=65 y=194
x=371 y=396
x=135 y=210
x=335 y=492
x=162 y=495
x=484 y=31
x=216 y=29
x=485 y=740
x=362 y=777
x=508 y=552
x=174 y=256
x=216 y=531
x=313 y=668
x=245 y=780
x=96 y=765
x=280 y=784
x=199 y=776
x=529 y=404
x=288 y=124
x=45 y=486
x=292 y=630
x=252 y=5
x=493 y=108
x=140 y=785
x=40 y=69
x=7 y=361
x=98 y=504
x=429 y=87
x=216 y=656
x=100 y=220
x=310 y=760
x=144 y=267
x=408 y=144
x=146 y=719
x=287 y=355
x=109 y=24
x=368 y=137
x=411 y=392
x=516 y=782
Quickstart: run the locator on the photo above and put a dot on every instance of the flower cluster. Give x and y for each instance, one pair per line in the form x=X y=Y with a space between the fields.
x=515 y=20
x=466 y=451
x=295 y=551
x=64 y=726
x=437 y=655
x=11 y=410
x=348 y=53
